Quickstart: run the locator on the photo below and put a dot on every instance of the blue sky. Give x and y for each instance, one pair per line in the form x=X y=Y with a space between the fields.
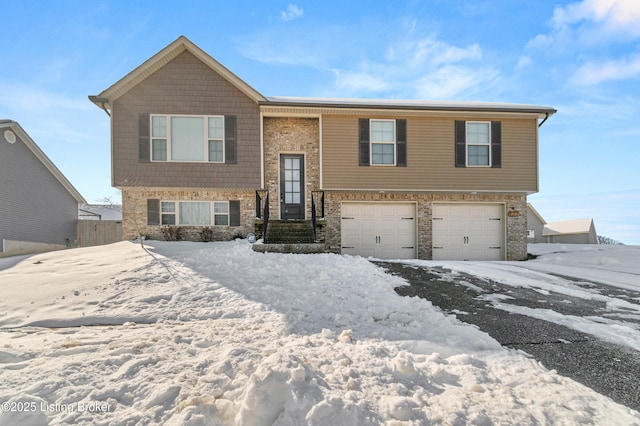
x=581 y=57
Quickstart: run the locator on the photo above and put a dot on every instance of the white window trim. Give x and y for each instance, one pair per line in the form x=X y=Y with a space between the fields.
x=205 y=142
x=372 y=142
x=213 y=213
x=477 y=144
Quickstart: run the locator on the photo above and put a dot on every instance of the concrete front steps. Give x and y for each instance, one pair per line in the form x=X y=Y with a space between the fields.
x=290 y=236
x=289 y=232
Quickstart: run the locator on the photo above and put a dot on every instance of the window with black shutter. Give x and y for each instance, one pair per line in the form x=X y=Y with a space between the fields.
x=478 y=144
x=143 y=138
x=153 y=212
x=382 y=142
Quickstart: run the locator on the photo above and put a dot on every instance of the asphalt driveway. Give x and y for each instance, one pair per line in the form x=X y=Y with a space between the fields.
x=607 y=368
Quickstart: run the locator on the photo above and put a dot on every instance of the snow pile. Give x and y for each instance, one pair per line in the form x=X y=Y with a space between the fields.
x=216 y=334
x=615 y=265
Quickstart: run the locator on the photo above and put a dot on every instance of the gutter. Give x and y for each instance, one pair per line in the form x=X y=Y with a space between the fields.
x=101 y=102
x=456 y=107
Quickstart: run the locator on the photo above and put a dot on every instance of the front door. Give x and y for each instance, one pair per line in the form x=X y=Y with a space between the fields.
x=292 y=186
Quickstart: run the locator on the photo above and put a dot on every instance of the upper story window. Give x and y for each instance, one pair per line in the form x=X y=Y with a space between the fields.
x=478 y=143
x=188 y=138
x=383 y=142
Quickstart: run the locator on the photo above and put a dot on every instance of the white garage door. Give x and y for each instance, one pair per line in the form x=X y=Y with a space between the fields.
x=468 y=232
x=381 y=230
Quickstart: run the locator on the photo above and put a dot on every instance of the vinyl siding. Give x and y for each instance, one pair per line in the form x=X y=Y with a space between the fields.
x=185 y=86
x=34 y=206
x=430 y=158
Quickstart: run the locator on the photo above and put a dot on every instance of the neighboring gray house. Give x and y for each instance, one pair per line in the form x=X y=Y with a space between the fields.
x=38 y=205
x=535 y=225
x=578 y=231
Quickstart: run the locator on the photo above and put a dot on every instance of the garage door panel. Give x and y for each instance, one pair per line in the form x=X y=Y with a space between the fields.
x=468 y=231
x=382 y=230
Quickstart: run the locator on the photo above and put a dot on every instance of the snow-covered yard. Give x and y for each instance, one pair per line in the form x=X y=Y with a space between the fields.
x=216 y=334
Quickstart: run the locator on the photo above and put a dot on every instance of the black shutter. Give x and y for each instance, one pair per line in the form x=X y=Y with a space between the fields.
x=496 y=144
x=401 y=143
x=234 y=213
x=363 y=124
x=230 y=142
x=143 y=139
x=153 y=212
x=461 y=143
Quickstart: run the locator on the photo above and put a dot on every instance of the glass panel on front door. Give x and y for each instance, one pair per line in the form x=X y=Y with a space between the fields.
x=291 y=186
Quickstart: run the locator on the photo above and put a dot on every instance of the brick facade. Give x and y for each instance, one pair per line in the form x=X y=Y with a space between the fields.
x=134 y=206
x=183 y=80
x=516 y=221
x=301 y=136
x=288 y=135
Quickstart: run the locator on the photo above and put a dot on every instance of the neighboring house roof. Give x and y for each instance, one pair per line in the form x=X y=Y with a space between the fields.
x=568 y=227
x=106 y=98
x=40 y=155
x=100 y=212
x=536 y=214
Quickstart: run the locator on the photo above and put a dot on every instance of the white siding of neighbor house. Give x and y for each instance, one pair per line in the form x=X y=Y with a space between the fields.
x=34 y=206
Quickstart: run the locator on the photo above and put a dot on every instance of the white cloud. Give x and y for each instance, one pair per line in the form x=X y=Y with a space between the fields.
x=524 y=62
x=452 y=82
x=354 y=82
x=405 y=66
x=613 y=14
x=437 y=52
x=292 y=12
x=591 y=23
x=540 y=41
x=424 y=68
x=583 y=28
x=594 y=73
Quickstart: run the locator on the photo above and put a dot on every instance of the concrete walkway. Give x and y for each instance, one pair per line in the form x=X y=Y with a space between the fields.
x=609 y=369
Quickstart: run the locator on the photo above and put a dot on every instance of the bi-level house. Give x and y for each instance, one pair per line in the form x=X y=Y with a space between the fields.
x=195 y=147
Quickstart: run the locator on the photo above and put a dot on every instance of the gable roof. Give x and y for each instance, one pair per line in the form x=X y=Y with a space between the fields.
x=40 y=155
x=106 y=97
x=536 y=213
x=566 y=227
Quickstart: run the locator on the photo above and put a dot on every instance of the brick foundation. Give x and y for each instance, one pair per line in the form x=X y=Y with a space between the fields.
x=516 y=222
x=134 y=207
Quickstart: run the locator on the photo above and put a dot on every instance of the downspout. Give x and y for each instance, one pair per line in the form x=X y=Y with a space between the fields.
x=546 y=117
x=101 y=102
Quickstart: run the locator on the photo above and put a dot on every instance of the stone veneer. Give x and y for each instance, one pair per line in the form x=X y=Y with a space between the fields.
x=516 y=222
x=134 y=207
x=291 y=135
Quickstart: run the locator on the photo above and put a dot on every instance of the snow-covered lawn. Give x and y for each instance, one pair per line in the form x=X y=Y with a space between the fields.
x=216 y=334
